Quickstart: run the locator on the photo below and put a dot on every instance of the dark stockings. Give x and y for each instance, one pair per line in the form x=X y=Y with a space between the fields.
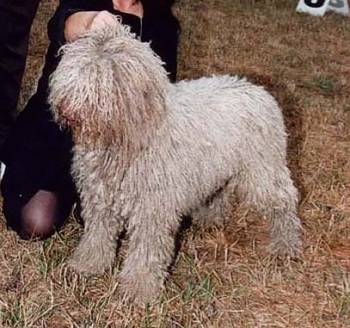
x=41 y=216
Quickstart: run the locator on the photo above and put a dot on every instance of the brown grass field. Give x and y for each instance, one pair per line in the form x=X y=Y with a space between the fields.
x=223 y=277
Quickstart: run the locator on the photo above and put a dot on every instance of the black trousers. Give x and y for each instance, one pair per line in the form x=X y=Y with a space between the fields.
x=37 y=154
x=16 y=18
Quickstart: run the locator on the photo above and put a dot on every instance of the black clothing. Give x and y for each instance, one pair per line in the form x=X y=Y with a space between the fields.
x=37 y=153
x=16 y=18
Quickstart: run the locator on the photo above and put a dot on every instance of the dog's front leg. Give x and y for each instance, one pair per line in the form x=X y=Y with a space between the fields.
x=150 y=253
x=97 y=248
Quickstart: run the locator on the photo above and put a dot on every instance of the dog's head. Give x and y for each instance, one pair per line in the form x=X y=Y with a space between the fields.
x=109 y=87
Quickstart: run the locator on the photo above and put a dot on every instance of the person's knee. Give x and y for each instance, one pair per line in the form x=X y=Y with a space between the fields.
x=39 y=218
x=35 y=232
x=35 y=224
x=28 y=228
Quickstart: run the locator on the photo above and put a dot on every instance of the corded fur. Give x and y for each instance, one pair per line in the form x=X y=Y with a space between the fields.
x=148 y=151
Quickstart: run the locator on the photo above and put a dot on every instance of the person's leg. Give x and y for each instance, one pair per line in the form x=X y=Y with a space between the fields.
x=38 y=192
x=16 y=18
x=40 y=216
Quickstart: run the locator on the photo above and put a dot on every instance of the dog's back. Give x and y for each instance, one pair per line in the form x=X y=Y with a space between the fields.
x=214 y=128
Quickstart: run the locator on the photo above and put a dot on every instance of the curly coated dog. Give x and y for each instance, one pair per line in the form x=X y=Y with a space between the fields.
x=148 y=152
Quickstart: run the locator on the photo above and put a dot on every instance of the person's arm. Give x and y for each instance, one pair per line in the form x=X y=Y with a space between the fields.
x=158 y=7
x=162 y=29
x=163 y=33
x=73 y=17
x=56 y=29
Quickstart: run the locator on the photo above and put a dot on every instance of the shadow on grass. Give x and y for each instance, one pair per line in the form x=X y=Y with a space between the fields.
x=293 y=119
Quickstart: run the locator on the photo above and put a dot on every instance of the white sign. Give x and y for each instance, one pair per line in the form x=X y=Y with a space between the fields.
x=319 y=7
x=339 y=6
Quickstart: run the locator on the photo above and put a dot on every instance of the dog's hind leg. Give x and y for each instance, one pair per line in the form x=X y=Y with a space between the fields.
x=96 y=250
x=271 y=191
x=151 y=250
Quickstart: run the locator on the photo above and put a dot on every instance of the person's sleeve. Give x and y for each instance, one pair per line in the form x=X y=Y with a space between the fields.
x=158 y=7
x=164 y=38
x=66 y=8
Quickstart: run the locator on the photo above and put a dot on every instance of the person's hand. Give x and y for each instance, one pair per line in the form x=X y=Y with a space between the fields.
x=79 y=23
x=102 y=19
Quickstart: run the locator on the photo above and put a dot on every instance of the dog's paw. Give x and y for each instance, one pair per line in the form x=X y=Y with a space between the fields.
x=286 y=249
x=86 y=269
x=140 y=289
x=90 y=259
x=67 y=279
x=72 y=275
x=86 y=265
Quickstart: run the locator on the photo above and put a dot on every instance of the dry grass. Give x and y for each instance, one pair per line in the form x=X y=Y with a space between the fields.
x=223 y=277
